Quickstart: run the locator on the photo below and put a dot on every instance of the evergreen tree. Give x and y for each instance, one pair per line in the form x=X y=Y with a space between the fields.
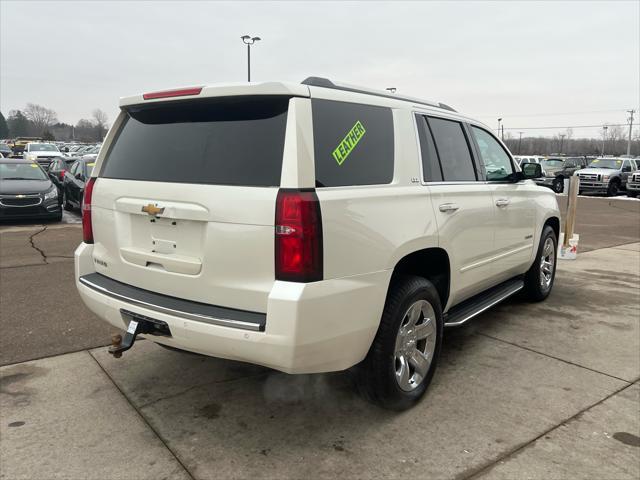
x=4 y=128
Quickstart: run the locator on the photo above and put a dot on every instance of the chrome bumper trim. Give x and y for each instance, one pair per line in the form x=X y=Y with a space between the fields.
x=225 y=322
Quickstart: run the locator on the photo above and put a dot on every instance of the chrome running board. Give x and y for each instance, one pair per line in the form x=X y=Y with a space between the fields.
x=465 y=311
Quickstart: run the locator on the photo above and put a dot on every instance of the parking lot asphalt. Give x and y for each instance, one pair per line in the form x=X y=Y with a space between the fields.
x=605 y=222
x=548 y=390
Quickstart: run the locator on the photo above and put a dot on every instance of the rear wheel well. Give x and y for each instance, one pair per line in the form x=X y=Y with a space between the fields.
x=430 y=263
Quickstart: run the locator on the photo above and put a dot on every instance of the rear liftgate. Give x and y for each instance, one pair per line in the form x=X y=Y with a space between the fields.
x=137 y=324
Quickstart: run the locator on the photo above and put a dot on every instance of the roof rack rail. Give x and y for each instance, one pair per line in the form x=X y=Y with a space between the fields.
x=326 y=83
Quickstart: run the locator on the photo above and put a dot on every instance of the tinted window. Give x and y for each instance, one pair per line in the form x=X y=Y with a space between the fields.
x=353 y=144
x=225 y=141
x=496 y=161
x=453 y=150
x=430 y=166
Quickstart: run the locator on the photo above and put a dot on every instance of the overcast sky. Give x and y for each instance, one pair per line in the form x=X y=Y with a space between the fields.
x=533 y=63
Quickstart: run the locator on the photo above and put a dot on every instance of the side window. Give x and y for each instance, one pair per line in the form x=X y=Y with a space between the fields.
x=74 y=168
x=453 y=150
x=431 y=171
x=495 y=159
x=353 y=143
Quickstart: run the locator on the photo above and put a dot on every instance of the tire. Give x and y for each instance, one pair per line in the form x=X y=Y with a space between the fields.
x=380 y=376
x=558 y=185
x=65 y=203
x=57 y=218
x=614 y=188
x=535 y=288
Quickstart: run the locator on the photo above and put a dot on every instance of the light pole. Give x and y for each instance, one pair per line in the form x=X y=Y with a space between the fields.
x=520 y=142
x=630 y=112
x=499 y=122
x=249 y=40
x=391 y=89
x=604 y=137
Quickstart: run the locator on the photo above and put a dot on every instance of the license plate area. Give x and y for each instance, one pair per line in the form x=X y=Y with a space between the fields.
x=147 y=325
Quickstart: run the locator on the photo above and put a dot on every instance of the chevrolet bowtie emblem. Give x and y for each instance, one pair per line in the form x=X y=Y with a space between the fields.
x=152 y=210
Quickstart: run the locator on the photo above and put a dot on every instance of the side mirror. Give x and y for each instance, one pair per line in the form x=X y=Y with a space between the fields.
x=626 y=169
x=79 y=176
x=531 y=170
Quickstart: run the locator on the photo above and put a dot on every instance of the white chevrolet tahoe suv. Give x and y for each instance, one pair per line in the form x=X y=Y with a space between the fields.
x=309 y=228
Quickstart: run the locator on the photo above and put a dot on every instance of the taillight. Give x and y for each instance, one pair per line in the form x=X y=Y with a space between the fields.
x=298 y=232
x=87 y=229
x=62 y=175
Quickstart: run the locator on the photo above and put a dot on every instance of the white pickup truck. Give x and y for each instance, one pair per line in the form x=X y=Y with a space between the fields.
x=309 y=227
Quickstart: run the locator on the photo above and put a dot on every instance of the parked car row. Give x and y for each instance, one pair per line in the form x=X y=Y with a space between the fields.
x=31 y=189
x=608 y=175
x=32 y=148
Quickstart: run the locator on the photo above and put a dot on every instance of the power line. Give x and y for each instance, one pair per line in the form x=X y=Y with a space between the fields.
x=549 y=114
x=569 y=126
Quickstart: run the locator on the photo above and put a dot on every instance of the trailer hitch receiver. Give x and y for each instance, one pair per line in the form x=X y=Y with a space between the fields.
x=137 y=324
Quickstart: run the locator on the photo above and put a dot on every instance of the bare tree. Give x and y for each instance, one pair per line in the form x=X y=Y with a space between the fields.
x=569 y=133
x=41 y=117
x=101 y=121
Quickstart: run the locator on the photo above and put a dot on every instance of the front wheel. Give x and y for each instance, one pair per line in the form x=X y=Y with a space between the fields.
x=403 y=356
x=538 y=281
x=558 y=185
x=614 y=188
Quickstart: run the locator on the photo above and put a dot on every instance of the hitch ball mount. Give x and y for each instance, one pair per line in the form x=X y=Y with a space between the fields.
x=137 y=324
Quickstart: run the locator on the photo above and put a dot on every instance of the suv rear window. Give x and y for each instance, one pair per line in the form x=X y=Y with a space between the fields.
x=353 y=143
x=221 y=141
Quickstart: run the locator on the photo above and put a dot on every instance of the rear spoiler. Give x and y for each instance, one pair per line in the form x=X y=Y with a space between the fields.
x=226 y=90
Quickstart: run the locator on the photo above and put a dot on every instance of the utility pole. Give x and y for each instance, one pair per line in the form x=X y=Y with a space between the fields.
x=604 y=137
x=630 y=112
x=249 y=40
x=520 y=142
x=561 y=141
x=502 y=134
x=499 y=125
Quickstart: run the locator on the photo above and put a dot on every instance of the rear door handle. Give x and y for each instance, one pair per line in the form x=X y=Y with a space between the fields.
x=448 y=207
x=502 y=202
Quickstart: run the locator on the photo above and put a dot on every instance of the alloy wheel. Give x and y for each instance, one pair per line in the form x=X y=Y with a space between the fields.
x=415 y=345
x=547 y=261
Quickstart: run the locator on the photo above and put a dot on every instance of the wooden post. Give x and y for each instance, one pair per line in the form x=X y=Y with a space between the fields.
x=570 y=221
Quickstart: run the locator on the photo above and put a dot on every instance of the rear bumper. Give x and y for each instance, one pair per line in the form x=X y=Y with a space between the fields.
x=313 y=327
